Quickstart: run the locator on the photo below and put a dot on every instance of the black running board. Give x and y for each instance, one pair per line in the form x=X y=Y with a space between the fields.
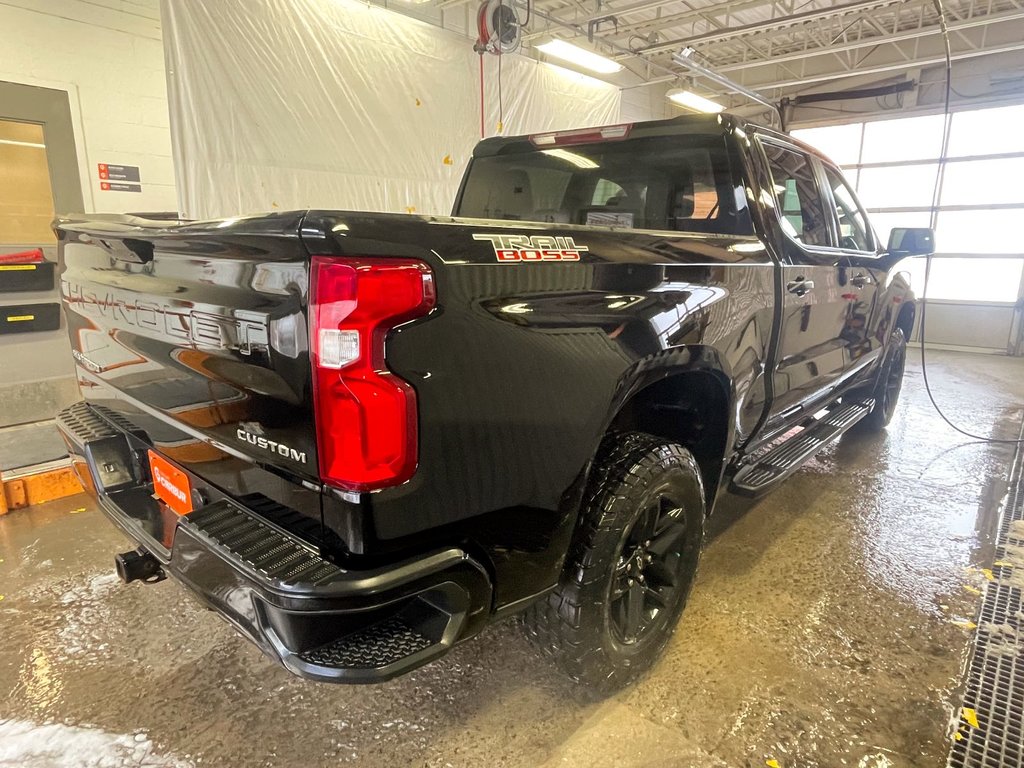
x=770 y=468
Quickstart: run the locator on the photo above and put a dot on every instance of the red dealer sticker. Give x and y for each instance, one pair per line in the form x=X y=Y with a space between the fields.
x=170 y=484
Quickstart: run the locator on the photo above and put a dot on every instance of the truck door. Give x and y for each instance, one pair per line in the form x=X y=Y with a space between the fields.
x=858 y=275
x=815 y=341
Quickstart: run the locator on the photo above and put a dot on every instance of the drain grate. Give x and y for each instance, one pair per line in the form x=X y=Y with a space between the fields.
x=995 y=684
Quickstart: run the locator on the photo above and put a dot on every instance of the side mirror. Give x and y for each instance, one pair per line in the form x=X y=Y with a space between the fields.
x=916 y=241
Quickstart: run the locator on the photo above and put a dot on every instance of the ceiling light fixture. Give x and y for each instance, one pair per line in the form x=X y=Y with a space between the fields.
x=581 y=57
x=693 y=101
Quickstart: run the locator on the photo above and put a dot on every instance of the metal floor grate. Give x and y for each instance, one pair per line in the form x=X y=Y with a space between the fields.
x=995 y=683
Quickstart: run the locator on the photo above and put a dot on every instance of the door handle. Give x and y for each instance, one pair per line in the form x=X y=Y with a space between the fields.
x=858 y=281
x=800 y=286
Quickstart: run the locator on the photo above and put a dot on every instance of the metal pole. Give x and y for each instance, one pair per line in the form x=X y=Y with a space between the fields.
x=685 y=61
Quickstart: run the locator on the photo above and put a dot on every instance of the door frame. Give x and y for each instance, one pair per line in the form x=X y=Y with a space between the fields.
x=51 y=108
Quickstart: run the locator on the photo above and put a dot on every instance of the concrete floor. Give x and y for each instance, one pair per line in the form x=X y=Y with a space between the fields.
x=822 y=632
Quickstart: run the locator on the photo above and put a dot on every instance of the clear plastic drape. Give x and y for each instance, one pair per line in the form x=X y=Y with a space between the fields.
x=284 y=104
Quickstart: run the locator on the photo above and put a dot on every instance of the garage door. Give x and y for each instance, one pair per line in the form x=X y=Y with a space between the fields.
x=975 y=284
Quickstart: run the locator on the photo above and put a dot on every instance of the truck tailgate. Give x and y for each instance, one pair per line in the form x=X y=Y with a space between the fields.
x=197 y=334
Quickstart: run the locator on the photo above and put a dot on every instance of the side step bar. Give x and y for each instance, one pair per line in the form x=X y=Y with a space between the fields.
x=776 y=464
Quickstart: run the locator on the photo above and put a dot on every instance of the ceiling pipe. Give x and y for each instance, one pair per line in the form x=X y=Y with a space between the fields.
x=683 y=60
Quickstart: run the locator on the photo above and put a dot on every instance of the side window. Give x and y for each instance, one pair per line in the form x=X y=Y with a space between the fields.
x=797 y=195
x=853 y=229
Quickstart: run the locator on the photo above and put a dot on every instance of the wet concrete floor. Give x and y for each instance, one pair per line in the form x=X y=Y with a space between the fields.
x=822 y=632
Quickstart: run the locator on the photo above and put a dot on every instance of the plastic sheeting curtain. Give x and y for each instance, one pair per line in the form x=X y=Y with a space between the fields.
x=286 y=104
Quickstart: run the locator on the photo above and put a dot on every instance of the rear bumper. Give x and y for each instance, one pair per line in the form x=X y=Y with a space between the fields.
x=321 y=621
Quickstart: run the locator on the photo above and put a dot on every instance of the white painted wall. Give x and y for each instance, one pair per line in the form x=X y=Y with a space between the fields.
x=108 y=55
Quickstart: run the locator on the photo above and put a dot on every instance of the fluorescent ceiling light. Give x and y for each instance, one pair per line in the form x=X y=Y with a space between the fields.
x=581 y=57
x=691 y=100
x=571 y=157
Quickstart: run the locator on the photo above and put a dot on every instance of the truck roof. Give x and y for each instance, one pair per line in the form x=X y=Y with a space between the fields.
x=683 y=124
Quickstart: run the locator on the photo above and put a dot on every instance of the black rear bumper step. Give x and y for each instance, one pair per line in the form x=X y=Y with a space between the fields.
x=319 y=619
x=779 y=462
x=273 y=554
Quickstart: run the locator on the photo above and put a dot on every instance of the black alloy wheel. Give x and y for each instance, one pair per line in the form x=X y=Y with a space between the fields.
x=889 y=384
x=649 y=571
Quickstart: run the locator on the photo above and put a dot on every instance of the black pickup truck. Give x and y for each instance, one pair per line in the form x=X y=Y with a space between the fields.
x=360 y=437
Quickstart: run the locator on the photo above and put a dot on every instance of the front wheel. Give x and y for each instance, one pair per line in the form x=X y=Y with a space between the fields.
x=890 y=383
x=631 y=565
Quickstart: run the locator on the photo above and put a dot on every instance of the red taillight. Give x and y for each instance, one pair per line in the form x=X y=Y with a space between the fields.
x=366 y=421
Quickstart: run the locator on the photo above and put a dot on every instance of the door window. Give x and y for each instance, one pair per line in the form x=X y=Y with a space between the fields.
x=26 y=201
x=853 y=229
x=797 y=196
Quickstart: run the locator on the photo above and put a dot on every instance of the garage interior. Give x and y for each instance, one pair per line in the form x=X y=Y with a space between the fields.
x=866 y=613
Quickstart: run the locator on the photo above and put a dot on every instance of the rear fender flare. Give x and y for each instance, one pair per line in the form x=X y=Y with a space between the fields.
x=651 y=370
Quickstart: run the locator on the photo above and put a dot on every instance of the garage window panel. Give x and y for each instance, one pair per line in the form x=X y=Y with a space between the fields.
x=987 y=132
x=979 y=231
x=902 y=186
x=966 y=278
x=983 y=182
x=908 y=138
x=841 y=143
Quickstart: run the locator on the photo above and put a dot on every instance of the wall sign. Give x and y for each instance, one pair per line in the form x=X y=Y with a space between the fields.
x=117 y=186
x=119 y=178
x=112 y=172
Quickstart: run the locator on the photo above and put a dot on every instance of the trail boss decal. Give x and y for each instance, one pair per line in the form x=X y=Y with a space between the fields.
x=511 y=248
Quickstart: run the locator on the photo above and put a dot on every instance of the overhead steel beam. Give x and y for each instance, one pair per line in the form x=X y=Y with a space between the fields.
x=653 y=5
x=677 y=20
x=881 y=69
x=767 y=25
x=621 y=51
x=868 y=42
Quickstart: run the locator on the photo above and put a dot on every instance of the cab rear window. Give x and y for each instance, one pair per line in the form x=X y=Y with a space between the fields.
x=682 y=183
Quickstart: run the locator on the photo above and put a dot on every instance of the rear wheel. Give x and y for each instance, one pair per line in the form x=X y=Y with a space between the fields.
x=631 y=565
x=890 y=383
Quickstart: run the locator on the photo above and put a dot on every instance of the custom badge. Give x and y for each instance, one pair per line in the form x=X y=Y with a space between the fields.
x=518 y=248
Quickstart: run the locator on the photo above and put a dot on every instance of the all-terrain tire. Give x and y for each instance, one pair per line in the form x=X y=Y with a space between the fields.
x=619 y=557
